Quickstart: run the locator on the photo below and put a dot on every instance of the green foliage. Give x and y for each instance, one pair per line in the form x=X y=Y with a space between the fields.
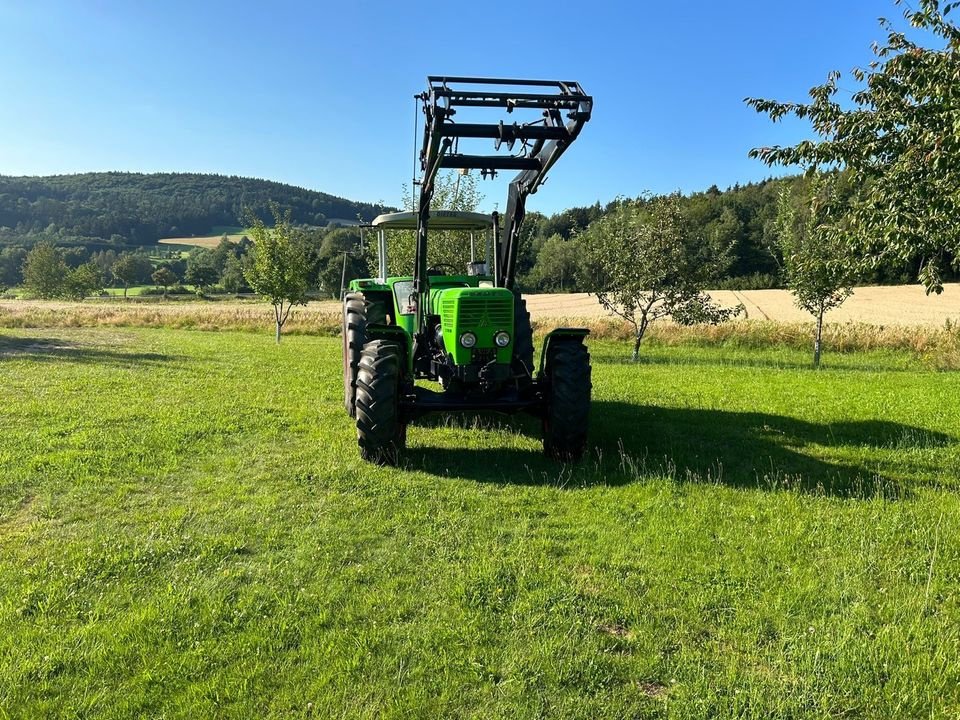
x=558 y=267
x=340 y=260
x=817 y=264
x=132 y=269
x=815 y=254
x=201 y=270
x=45 y=271
x=645 y=265
x=83 y=281
x=900 y=141
x=280 y=266
x=233 y=280
x=164 y=277
x=11 y=266
x=453 y=191
x=133 y=209
x=746 y=539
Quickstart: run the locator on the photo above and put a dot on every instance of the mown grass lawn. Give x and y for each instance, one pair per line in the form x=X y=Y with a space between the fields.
x=186 y=530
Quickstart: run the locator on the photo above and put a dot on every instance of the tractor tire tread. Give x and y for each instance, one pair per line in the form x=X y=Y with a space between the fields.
x=381 y=433
x=358 y=312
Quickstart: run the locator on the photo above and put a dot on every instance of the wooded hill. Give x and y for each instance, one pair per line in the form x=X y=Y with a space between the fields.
x=133 y=209
x=117 y=211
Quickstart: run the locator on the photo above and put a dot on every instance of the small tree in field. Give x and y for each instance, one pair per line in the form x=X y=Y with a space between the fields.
x=164 y=277
x=130 y=269
x=45 y=271
x=83 y=281
x=645 y=265
x=280 y=268
x=813 y=255
x=201 y=271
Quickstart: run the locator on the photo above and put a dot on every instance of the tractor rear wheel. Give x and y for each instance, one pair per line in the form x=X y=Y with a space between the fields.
x=358 y=312
x=381 y=432
x=522 y=338
x=567 y=409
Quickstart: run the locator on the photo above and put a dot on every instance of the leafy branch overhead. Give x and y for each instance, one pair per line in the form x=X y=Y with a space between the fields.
x=900 y=141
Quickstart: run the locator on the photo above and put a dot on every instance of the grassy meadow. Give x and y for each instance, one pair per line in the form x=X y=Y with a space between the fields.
x=186 y=530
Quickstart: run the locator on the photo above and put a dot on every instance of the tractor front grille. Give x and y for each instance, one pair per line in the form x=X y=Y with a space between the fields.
x=478 y=312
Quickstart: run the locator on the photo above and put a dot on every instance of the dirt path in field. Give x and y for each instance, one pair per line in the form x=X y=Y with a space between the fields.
x=900 y=305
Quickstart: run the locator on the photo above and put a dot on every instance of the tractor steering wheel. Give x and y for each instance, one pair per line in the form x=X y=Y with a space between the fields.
x=435 y=269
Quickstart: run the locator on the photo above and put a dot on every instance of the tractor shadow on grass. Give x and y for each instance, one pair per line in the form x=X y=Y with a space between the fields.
x=631 y=443
x=64 y=350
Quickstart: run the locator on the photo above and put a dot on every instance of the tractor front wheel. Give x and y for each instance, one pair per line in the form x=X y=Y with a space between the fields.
x=381 y=432
x=567 y=410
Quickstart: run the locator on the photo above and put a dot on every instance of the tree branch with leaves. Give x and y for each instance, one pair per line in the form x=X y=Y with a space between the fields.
x=900 y=141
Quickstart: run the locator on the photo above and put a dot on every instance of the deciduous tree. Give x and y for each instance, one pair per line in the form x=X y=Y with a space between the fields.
x=44 y=271
x=232 y=279
x=279 y=269
x=646 y=266
x=83 y=281
x=131 y=269
x=814 y=255
x=201 y=270
x=164 y=277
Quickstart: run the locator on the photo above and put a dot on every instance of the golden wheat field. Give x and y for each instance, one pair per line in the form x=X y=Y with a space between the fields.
x=902 y=306
x=211 y=241
x=315 y=317
x=898 y=305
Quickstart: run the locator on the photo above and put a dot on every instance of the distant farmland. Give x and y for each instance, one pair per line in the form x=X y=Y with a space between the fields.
x=209 y=241
x=888 y=305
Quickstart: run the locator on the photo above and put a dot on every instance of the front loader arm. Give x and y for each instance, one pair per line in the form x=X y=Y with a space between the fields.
x=542 y=143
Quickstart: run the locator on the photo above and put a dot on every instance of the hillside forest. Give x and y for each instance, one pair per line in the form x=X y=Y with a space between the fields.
x=95 y=219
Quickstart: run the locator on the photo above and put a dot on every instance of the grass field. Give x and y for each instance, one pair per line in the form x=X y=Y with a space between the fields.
x=186 y=531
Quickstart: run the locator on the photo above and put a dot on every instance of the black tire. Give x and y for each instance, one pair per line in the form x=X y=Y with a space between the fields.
x=567 y=410
x=522 y=339
x=381 y=432
x=358 y=312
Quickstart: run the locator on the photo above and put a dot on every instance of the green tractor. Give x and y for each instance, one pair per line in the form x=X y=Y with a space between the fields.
x=467 y=330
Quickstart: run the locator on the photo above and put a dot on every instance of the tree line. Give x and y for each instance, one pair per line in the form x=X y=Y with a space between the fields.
x=103 y=212
x=48 y=271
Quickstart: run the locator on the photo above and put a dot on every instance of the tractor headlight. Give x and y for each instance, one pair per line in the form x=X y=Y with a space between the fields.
x=468 y=339
x=502 y=338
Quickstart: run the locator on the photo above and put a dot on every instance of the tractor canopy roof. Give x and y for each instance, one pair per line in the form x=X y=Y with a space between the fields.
x=439 y=220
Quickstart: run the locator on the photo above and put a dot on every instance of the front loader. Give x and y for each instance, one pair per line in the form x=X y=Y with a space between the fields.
x=468 y=330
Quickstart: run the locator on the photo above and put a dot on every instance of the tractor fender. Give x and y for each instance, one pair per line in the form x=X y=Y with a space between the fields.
x=565 y=335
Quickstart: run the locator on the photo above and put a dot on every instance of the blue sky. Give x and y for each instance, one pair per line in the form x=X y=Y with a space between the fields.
x=320 y=94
